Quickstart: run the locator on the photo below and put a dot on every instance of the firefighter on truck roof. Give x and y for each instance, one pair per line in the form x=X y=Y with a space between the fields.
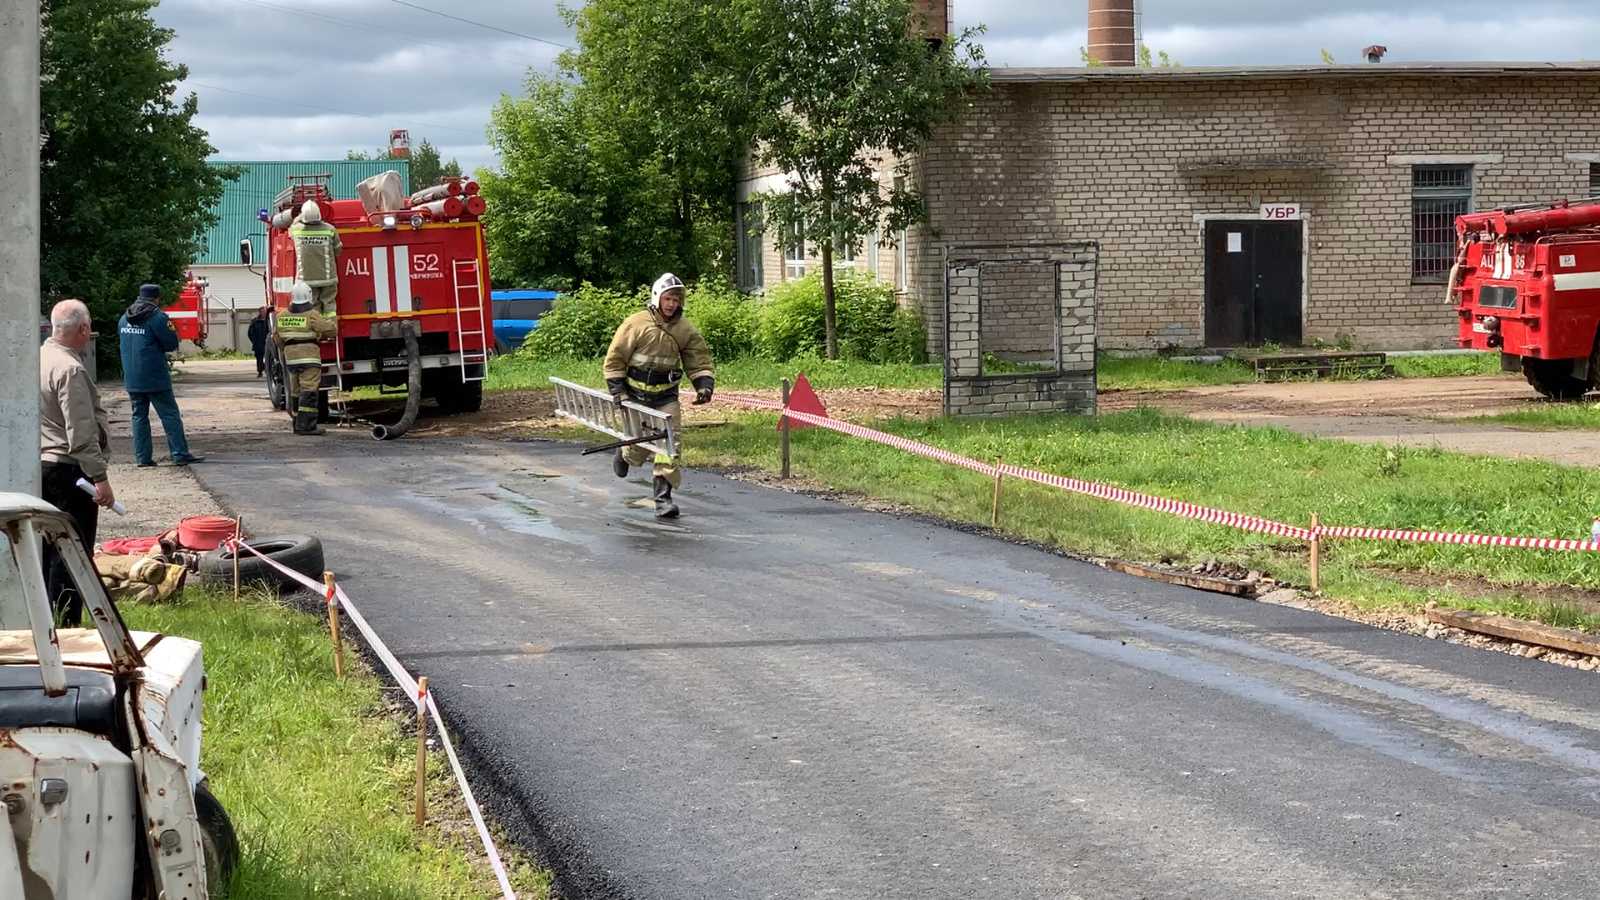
x=297 y=334
x=316 y=257
x=649 y=355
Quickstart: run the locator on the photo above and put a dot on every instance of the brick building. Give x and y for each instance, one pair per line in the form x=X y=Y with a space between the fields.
x=1233 y=205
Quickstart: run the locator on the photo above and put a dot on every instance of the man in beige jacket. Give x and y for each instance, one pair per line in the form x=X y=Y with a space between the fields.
x=73 y=444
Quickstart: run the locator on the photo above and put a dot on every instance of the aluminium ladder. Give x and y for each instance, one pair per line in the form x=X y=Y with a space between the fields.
x=469 y=283
x=628 y=422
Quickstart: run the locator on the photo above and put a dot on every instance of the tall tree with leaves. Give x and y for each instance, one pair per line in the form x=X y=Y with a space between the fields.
x=123 y=175
x=427 y=169
x=860 y=87
x=573 y=201
x=680 y=76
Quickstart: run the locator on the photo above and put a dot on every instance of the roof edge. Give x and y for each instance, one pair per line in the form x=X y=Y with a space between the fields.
x=1345 y=70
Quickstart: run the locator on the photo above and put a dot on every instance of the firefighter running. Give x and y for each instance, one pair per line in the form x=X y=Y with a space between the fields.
x=297 y=333
x=649 y=355
x=316 y=256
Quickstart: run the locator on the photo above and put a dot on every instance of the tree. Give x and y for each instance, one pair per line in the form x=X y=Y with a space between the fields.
x=124 y=183
x=681 y=77
x=858 y=86
x=426 y=168
x=1327 y=58
x=574 y=201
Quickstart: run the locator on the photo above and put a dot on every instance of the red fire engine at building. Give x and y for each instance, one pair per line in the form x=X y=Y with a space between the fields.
x=413 y=282
x=1527 y=283
x=188 y=313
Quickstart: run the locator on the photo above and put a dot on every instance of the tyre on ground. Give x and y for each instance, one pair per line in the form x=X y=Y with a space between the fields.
x=218 y=842
x=296 y=552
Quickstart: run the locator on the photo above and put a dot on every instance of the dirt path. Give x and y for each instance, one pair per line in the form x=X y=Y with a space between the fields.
x=1404 y=412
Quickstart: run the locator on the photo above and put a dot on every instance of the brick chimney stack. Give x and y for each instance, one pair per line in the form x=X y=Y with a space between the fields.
x=1112 y=32
x=932 y=18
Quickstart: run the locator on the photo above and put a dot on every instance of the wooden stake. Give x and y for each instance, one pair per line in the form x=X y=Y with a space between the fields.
x=333 y=626
x=783 y=428
x=1316 y=556
x=994 y=512
x=238 y=536
x=422 y=750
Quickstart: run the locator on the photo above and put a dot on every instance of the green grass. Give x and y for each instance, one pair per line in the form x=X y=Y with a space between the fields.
x=1266 y=472
x=316 y=777
x=221 y=353
x=1157 y=373
x=518 y=373
x=1446 y=366
x=1547 y=417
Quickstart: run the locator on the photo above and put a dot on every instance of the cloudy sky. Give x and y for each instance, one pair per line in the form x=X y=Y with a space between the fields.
x=311 y=79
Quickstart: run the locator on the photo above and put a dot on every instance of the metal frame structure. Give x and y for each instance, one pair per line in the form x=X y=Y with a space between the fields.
x=628 y=422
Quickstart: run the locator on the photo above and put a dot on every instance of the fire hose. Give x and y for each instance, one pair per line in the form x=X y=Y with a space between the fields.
x=413 y=388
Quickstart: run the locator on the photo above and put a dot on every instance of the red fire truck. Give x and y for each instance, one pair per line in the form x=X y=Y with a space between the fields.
x=413 y=282
x=188 y=313
x=1526 y=282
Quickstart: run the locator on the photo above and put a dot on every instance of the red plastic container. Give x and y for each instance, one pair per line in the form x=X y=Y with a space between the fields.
x=206 y=532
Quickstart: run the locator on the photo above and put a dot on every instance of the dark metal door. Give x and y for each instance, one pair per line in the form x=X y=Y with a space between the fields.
x=1230 y=283
x=1254 y=283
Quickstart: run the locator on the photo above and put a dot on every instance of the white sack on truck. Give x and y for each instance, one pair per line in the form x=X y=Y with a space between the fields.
x=381 y=193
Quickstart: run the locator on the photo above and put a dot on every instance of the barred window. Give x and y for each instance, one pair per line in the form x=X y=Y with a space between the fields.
x=1438 y=195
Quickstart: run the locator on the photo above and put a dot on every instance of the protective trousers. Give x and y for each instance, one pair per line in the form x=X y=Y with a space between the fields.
x=665 y=466
x=325 y=299
x=304 y=384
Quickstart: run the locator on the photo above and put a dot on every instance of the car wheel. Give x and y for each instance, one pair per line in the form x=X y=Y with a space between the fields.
x=218 y=841
x=298 y=553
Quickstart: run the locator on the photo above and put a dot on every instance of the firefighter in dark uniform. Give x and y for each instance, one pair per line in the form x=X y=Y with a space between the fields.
x=649 y=356
x=297 y=333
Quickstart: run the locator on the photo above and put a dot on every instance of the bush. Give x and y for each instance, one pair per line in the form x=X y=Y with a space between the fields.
x=581 y=325
x=725 y=317
x=872 y=326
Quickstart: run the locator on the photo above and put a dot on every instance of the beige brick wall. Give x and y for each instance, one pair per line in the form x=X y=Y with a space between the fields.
x=1097 y=161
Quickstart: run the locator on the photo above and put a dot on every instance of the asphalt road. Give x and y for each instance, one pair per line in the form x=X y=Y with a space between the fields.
x=781 y=697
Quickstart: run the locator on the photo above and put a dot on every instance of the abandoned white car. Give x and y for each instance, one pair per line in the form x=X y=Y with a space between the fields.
x=99 y=741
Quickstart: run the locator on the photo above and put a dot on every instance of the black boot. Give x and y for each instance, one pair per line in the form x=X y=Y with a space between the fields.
x=619 y=465
x=665 y=508
x=305 y=420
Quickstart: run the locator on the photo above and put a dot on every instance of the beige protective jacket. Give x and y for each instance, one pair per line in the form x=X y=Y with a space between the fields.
x=297 y=334
x=72 y=423
x=653 y=355
x=316 y=253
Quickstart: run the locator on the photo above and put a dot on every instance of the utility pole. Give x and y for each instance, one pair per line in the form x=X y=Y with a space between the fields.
x=19 y=246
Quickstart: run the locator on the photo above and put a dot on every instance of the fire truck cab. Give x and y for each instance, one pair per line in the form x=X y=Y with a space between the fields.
x=413 y=275
x=1526 y=282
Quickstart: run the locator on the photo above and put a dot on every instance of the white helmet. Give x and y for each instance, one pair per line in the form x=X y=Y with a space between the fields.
x=310 y=212
x=300 y=297
x=667 y=282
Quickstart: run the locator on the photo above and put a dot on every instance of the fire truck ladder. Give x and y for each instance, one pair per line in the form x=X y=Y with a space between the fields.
x=630 y=423
x=470 y=289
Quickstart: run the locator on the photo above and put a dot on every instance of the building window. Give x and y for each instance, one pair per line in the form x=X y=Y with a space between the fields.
x=1438 y=195
x=872 y=253
x=900 y=248
x=794 y=253
x=748 y=222
x=1594 y=181
x=843 y=253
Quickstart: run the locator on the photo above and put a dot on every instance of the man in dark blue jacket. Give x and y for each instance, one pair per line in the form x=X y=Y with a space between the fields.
x=147 y=337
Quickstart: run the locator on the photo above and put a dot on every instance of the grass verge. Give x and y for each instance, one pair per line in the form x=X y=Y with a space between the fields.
x=1265 y=472
x=1142 y=373
x=1548 y=417
x=314 y=772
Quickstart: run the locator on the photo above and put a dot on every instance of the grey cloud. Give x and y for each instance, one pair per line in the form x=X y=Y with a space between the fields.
x=445 y=92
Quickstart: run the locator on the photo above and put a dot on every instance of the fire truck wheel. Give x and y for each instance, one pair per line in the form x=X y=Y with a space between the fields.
x=1554 y=379
x=275 y=386
x=459 y=398
x=322 y=407
x=295 y=552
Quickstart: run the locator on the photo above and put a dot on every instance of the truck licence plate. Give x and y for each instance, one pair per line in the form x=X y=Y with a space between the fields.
x=1480 y=328
x=394 y=364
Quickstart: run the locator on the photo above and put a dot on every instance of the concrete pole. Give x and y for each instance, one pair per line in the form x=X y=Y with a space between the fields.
x=19 y=246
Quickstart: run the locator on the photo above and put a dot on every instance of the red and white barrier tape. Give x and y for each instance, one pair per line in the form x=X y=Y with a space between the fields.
x=409 y=685
x=1160 y=504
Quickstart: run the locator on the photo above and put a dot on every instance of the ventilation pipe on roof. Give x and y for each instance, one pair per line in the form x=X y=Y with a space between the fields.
x=1375 y=53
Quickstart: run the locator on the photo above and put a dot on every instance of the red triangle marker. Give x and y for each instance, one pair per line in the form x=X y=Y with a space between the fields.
x=803 y=399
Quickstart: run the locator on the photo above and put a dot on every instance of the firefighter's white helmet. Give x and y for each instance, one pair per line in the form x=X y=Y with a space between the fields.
x=300 y=297
x=310 y=212
x=667 y=282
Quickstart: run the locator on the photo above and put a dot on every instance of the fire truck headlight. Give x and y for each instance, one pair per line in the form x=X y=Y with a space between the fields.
x=389 y=221
x=416 y=221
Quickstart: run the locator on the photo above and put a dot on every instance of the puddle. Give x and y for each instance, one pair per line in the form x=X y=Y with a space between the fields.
x=509 y=510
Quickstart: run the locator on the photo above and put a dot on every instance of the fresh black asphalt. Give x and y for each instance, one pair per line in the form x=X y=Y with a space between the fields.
x=783 y=697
